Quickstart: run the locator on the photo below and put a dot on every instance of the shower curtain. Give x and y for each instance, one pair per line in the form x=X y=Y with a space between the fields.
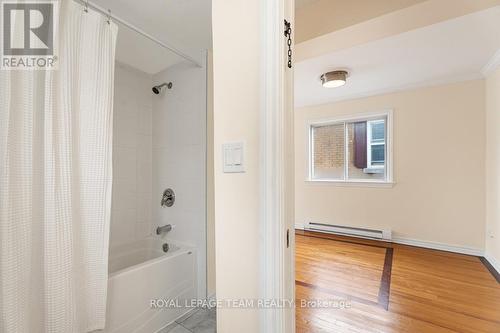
x=55 y=182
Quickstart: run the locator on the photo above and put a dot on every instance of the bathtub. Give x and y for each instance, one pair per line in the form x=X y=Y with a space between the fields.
x=141 y=272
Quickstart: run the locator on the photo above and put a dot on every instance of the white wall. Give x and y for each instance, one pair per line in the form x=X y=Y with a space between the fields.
x=132 y=159
x=439 y=154
x=493 y=168
x=237 y=86
x=179 y=158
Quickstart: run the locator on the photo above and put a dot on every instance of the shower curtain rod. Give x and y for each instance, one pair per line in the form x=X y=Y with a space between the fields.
x=109 y=14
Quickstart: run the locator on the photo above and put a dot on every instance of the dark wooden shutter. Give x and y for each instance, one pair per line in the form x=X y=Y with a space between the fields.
x=360 y=153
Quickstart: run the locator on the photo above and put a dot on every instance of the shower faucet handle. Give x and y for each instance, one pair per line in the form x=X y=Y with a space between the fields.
x=168 y=198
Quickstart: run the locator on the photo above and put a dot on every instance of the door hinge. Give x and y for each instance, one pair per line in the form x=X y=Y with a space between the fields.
x=288 y=34
x=287 y=238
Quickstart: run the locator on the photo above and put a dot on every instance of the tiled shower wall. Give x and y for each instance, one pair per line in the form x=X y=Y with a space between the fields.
x=132 y=156
x=159 y=141
x=179 y=158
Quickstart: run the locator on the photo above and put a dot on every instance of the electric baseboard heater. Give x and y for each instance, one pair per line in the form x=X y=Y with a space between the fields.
x=350 y=231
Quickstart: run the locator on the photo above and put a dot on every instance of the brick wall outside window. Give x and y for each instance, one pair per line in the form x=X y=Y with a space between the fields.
x=328 y=156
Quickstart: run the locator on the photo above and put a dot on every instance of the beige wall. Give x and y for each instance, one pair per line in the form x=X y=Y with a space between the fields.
x=236 y=53
x=439 y=154
x=493 y=167
x=325 y=16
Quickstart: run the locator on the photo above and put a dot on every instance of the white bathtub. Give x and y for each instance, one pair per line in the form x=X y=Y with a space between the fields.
x=140 y=272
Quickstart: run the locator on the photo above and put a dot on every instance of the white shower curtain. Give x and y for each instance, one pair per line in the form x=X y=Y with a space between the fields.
x=55 y=182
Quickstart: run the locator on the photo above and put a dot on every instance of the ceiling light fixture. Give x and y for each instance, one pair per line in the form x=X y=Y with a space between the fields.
x=334 y=79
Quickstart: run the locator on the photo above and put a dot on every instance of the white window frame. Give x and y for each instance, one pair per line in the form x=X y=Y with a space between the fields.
x=388 y=180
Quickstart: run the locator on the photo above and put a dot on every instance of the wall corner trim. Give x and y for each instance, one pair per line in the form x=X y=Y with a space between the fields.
x=492 y=64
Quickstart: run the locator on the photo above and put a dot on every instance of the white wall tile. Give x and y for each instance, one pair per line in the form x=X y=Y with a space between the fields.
x=159 y=142
x=144 y=208
x=145 y=119
x=132 y=156
x=123 y=226
x=179 y=157
x=124 y=164
x=143 y=230
x=125 y=194
x=144 y=164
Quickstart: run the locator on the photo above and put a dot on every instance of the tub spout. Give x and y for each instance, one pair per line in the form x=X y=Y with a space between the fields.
x=164 y=229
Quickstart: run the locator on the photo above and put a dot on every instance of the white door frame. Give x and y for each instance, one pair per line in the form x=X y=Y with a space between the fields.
x=276 y=167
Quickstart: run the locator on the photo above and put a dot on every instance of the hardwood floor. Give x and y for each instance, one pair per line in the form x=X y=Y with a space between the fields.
x=369 y=286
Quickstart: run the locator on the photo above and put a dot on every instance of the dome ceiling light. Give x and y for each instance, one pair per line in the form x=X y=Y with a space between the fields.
x=334 y=79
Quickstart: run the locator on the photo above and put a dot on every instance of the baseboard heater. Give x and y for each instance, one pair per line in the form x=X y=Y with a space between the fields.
x=350 y=231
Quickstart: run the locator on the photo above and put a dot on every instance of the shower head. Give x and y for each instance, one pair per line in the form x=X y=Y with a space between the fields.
x=157 y=89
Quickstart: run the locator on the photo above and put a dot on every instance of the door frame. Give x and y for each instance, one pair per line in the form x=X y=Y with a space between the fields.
x=277 y=280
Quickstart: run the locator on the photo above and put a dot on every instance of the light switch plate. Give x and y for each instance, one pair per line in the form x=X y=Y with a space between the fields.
x=233 y=157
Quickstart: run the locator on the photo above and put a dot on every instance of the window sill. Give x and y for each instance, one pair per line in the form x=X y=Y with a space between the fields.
x=380 y=184
x=373 y=170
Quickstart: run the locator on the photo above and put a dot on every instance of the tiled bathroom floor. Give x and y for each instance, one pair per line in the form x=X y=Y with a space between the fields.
x=198 y=321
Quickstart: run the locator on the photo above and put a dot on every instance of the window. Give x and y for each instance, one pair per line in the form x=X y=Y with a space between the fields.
x=376 y=146
x=351 y=150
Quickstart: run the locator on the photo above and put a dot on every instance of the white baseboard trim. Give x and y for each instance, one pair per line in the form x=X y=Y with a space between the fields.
x=495 y=263
x=439 y=246
x=428 y=245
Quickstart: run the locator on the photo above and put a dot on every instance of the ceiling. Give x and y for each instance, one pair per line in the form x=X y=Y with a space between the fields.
x=446 y=52
x=184 y=24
